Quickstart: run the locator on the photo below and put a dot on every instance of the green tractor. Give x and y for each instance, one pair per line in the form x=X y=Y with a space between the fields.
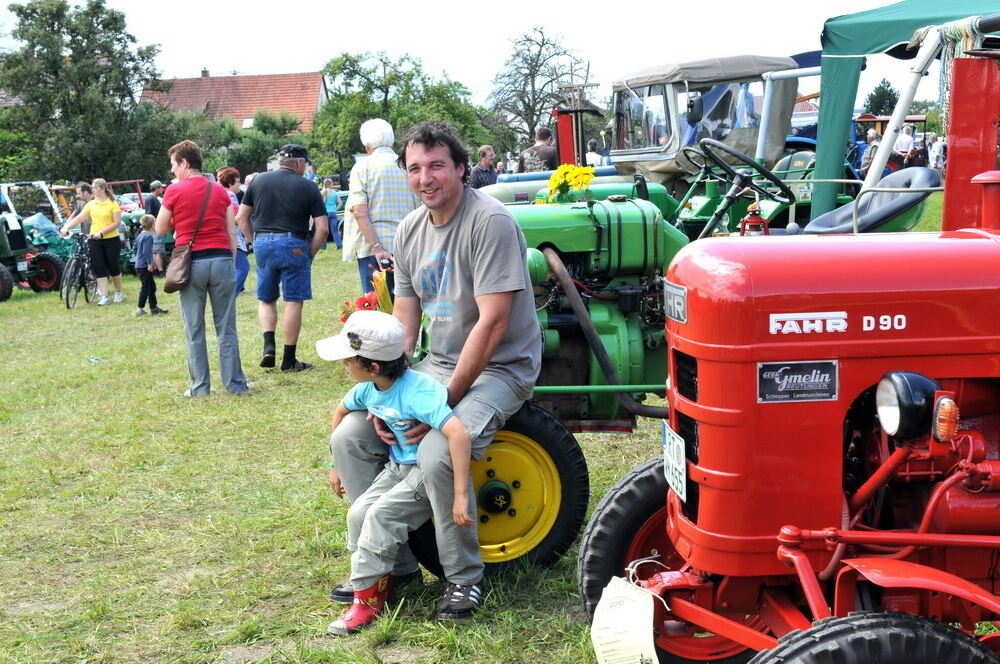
x=20 y=262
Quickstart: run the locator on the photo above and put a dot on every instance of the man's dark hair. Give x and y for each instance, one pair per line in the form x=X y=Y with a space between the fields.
x=389 y=369
x=189 y=152
x=543 y=134
x=84 y=187
x=436 y=132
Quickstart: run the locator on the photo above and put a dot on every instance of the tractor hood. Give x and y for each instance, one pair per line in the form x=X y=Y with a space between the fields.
x=800 y=298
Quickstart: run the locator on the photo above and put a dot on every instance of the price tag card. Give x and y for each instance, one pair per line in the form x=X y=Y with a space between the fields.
x=622 y=631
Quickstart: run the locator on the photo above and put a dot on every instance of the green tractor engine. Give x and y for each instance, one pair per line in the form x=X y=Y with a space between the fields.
x=614 y=252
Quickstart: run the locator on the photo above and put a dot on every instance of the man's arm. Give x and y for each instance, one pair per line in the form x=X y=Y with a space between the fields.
x=243 y=221
x=407 y=310
x=321 y=229
x=360 y=212
x=485 y=336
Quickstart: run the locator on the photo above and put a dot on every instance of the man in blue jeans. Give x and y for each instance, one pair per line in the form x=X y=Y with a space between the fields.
x=284 y=214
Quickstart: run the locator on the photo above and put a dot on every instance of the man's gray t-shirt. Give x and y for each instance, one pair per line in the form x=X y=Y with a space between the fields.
x=479 y=251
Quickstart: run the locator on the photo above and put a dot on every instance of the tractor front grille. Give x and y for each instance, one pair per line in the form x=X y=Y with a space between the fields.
x=687 y=375
x=687 y=427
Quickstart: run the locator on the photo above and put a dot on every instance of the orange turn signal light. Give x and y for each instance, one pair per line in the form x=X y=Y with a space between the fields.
x=945 y=419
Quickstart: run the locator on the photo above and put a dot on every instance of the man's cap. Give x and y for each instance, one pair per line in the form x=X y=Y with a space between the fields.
x=293 y=151
x=372 y=334
x=155 y=184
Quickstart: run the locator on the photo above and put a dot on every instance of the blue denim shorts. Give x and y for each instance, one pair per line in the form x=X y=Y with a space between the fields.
x=282 y=261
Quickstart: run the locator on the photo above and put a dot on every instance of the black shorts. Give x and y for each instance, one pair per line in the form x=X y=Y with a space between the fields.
x=104 y=256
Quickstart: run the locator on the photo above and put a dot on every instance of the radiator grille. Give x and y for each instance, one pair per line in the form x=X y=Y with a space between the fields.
x=687 y=375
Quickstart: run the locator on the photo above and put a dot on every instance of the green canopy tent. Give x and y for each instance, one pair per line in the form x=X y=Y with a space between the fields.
x=846 y=41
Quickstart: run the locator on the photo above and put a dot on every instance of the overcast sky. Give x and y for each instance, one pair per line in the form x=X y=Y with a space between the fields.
x=469 y=41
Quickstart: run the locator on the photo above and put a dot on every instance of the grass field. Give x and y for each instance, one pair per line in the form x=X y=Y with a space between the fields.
x=141 y=526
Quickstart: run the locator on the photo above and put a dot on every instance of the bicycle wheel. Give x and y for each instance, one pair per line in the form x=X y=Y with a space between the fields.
x=67 y=277
x=73 y=280
x=89 y=286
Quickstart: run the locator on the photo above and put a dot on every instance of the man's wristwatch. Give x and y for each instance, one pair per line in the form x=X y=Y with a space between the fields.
x=377 y=245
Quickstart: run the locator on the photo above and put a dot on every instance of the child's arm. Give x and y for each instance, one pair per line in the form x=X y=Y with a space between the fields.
x=334 y=477
x=460 y=448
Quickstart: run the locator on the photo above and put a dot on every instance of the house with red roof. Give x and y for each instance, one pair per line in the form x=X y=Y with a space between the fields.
x=239 y=97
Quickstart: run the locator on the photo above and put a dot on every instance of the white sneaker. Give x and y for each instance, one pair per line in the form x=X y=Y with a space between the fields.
x=140 y=312
x=118 y=297
x=103 y=301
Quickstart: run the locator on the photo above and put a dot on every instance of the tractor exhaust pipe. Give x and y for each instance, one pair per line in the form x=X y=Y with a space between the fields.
x=594 y=339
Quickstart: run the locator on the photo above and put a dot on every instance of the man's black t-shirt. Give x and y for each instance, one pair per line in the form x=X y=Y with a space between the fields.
x=283 y=202
x=152 y=204
x=539 y=158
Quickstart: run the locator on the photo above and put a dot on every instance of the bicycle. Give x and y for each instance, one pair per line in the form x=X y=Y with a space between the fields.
x=78 y=275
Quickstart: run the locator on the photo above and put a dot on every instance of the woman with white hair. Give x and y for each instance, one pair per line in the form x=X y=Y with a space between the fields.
x=380 y=197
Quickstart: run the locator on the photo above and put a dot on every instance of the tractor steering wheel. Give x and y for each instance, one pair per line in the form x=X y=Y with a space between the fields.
x=694 y=161
x=710 y=147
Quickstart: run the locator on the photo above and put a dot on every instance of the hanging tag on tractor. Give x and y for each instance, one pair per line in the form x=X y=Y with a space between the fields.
x=622 y=630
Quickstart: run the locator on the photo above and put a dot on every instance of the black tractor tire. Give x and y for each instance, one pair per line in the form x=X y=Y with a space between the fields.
x=630 y=524
x=48 y=269
x=6 y=283
x=886 y=638
x=537 y=466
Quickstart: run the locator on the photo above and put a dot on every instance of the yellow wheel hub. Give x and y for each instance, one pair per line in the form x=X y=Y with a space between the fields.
x=517 y=486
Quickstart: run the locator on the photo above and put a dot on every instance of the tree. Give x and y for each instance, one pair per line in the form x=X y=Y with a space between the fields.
x=882 y=100
x=527 y=88
x=932 y=110
x=371 y=85
x=76 y=73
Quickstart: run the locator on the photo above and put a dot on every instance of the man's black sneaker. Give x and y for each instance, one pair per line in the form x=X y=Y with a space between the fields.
x=344 y=592
x=459 y=602
x=299 y=365
x=267 y=360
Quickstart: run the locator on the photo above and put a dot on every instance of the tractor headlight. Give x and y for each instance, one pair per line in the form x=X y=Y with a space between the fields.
x=904 y=402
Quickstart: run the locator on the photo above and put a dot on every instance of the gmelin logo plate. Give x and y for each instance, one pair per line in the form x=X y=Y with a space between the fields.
x=784 y=382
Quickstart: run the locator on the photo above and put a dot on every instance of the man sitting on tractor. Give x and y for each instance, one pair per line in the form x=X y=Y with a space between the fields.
x=460 y=259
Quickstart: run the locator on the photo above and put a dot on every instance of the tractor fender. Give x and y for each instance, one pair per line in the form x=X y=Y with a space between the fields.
x=889 y=573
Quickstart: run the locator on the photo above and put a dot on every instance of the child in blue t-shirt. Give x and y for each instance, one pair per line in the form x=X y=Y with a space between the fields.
x=144 y=266
x=371 y=346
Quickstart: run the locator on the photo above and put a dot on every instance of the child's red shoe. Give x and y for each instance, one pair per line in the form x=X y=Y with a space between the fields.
x=367 y=606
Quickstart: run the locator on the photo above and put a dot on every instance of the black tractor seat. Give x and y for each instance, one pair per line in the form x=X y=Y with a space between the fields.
x=875 y=209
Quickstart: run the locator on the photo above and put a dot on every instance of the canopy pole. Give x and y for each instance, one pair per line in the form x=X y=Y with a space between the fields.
x=765 y=111
x=925 y=56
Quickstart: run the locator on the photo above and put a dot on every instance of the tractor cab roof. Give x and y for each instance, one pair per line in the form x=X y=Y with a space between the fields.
x=711 y=70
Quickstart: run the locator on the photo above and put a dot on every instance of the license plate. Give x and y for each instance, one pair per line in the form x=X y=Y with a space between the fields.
x=674 y=463
x=22 y=266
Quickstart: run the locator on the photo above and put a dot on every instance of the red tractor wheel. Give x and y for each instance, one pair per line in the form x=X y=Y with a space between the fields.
x=629 y=524
x=48 y=269
x=887 y=638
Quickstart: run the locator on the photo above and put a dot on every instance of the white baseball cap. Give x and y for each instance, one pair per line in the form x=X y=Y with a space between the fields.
x=372 y=334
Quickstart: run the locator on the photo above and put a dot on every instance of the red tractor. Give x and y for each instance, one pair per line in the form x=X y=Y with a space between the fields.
x=830 y=484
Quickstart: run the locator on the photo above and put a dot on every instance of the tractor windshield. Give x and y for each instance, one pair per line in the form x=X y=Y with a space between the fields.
x=641 y=116
x=725 y=107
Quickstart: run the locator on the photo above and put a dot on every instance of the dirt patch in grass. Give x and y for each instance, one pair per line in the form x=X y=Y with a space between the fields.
x=245 y=654
x=29 y=608
x=404 y=655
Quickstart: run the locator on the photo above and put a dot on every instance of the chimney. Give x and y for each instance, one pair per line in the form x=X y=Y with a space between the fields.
x=204 y=73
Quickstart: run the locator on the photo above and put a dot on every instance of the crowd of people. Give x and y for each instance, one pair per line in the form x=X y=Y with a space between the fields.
x=404 y=437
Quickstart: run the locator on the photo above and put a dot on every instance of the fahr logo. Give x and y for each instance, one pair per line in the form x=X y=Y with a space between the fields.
x=808 y=323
